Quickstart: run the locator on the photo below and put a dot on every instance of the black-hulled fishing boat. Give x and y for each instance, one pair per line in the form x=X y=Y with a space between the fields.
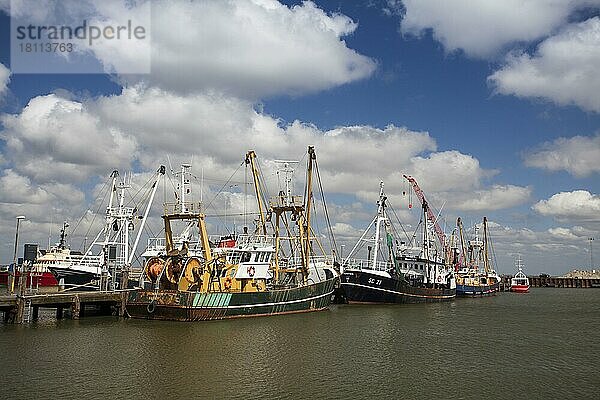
x=396 y=272
x=271 y=271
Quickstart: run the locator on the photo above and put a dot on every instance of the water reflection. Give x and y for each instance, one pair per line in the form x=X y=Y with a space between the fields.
x=540 y=345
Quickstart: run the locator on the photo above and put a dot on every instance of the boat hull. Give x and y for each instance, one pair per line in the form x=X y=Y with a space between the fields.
x=72 y=277
x=43 y=279
x=196 y=306
x=519 y=288
x=477 y=290
x=363 y=287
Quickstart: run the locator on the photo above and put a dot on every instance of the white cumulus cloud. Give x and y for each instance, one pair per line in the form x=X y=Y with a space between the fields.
x=246 y=48
x=252 y=48
x=4 y=79
x=448 y=170
x=564 y=69
x=482 y=28
x=578 y=155
x=58 y=140
x=569 y=206
x=497 y=197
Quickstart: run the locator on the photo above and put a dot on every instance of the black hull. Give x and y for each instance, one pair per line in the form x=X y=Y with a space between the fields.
x=76 y=278
x=195 y=306
x=364 y=287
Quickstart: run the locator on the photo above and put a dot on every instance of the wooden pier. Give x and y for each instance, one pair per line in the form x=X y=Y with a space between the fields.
x=559 y=282
x=24 y=308
x=555 y=282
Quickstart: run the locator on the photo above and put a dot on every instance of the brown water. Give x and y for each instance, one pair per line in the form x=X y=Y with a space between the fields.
x=545 y=344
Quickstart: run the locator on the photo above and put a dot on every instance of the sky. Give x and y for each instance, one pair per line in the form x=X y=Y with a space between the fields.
x=492 y=106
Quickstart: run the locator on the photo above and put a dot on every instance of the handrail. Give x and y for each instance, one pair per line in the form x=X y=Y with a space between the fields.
x=361 y=264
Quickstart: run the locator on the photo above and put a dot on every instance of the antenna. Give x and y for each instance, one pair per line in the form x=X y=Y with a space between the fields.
x=170 y=165
x=285 y=167
x=50 y=229
x=184 y=186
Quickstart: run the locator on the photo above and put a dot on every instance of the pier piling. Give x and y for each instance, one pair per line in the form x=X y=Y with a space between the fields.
x=556 y=282
x=23 y=308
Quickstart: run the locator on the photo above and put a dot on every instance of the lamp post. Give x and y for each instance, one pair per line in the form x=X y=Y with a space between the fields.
x=591 y=254
x=14 y=269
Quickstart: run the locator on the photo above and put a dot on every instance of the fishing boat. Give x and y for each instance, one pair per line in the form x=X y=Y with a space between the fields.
x=36 y=277
x=395 y=272
x=106 y=264
x=273 y=270
x=519 y=283
x=475 y=276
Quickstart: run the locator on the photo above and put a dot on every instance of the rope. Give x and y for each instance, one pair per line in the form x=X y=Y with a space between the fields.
x=224 y=185
x=332 y=241
x=399 y=222
x=94 y=217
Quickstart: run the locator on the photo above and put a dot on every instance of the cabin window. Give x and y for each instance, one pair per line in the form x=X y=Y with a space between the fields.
x=246 y=256
x=267 y=257
x=234 y=257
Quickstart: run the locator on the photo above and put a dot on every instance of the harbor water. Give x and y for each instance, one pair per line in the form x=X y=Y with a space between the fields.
x=544 y=344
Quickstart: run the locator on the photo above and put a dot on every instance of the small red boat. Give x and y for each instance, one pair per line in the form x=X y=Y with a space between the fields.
x=519 y=283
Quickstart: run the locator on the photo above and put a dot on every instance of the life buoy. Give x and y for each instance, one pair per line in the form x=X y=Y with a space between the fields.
x=251 y=270
x=228 y=283
x=151 y=307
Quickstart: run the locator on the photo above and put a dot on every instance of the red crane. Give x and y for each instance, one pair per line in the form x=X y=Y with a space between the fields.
x=430 y=216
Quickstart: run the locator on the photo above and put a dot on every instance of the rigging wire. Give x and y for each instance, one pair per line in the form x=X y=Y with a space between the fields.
x=399 y=222
x=491 y=243
x=224 y=185
x=332 y=241
x=245 y=196
x=94 y=215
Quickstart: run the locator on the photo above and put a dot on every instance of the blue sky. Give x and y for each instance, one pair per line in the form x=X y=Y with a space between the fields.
x=484 y=109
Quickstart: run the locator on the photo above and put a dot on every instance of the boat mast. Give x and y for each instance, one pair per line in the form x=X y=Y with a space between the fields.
x=63 y=235
x=380 y=218
x=184 y=185
x=121 y=216
x=486 y=261
x=251 y=160
x=311 y=157
x=463 y=248
x=519 y=263
x=114 y=176
x=109 y=218
x=425 y=244
x=160 y=172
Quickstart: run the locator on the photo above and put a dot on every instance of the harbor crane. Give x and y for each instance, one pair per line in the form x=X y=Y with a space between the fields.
x=430 y=215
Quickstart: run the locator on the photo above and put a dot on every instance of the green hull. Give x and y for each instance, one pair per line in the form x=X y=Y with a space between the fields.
x=195 y=306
